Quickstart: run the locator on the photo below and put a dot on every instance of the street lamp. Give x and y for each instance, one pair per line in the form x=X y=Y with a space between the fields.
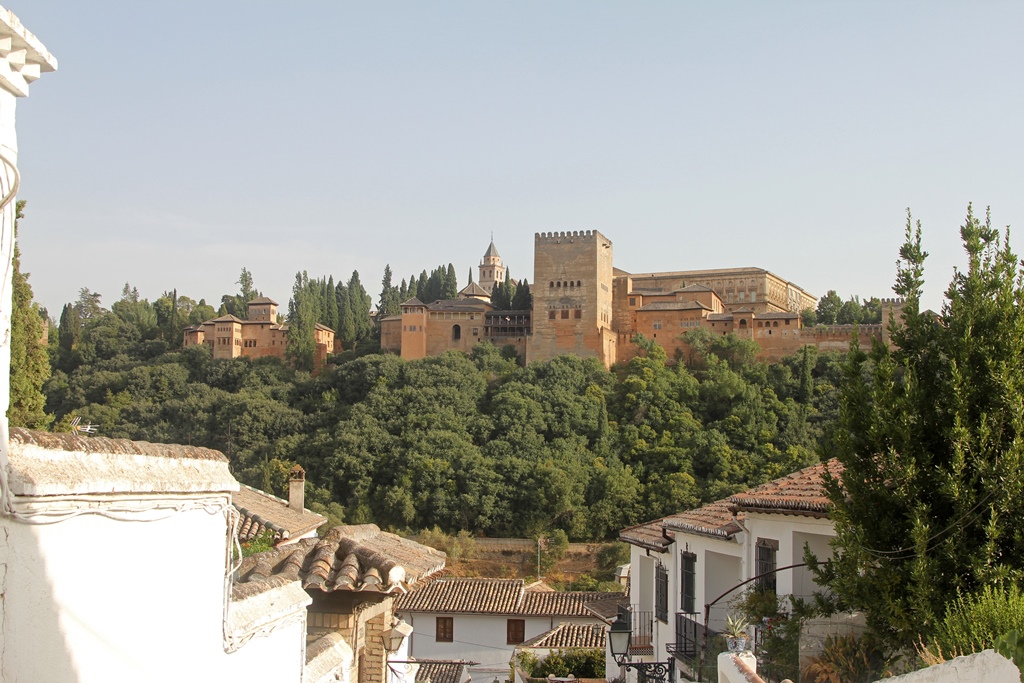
x=619 y=637
x=394 y=636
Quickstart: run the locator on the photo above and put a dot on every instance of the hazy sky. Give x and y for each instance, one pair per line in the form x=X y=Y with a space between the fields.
x=180 y=141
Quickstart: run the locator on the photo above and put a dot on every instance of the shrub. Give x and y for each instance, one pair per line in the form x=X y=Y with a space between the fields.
x=562 y=663
x=846 y=659
x=973 y=622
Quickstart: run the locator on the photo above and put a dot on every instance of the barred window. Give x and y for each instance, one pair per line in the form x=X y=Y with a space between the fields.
x=661 y=593
x=764 y=563
x=688 y=582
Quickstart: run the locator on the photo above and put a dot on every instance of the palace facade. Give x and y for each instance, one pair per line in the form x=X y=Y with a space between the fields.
x=258 y=336
x=585 y=306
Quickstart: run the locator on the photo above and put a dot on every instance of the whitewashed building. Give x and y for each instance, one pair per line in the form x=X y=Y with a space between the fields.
x=485 y=620
x=685 y=568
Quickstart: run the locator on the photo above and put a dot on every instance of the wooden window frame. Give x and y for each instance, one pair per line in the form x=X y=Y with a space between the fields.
x=515 y=631
x=444 y=629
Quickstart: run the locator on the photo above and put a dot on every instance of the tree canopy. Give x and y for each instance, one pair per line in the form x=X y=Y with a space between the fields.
x=930 y=436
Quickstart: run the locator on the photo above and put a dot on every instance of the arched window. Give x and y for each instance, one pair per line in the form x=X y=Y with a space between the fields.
x=558 y=284
x=456 y=332
x=571 y=284
x=579 y=284
x=551 y=284
x=743 y=323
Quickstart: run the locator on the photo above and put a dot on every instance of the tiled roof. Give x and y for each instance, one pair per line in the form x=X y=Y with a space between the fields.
x=777 y=315
x=349 y=558
x=439 y=671
x=567 y=635
x=459 y=304
x=800 y=492
x=714 y=519
x=321 y=326
x=478 y=596
x=262 y=300
x=226 y=319
x=413 y=302
x=492 y=251
x=743 y=309
x=673 y=306
x=727 y=317
x=495 y=596
x=607 y=608
x=695 y=288
x=558 y=604
x=262 y=511
x=473 y=289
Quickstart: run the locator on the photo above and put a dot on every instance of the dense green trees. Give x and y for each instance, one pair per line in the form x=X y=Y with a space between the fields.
x=30 y=365
x=459 y=442
x=931 y=440
x=832 y=310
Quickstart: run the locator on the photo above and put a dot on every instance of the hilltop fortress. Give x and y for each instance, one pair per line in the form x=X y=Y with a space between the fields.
x=584 y=306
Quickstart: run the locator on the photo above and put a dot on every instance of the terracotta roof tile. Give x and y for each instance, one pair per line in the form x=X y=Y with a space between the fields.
x=438 y=671
x=477 y=596
x=262 y=300
x=349 y=558
x=558 y=604
x=714 y=519
x=261 y=511
x=568 y=635
x=800 y=492
x=473 y=289
x=496 y=596
x=607 y=608
x=674 y=306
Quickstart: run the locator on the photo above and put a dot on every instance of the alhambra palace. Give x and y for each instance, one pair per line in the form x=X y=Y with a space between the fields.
x=582 y=305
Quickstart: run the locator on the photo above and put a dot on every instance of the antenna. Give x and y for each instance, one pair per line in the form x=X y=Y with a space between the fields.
x=87 y=428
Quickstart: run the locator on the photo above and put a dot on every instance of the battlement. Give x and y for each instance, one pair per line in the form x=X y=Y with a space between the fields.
x=557 y=237
x=896 y=301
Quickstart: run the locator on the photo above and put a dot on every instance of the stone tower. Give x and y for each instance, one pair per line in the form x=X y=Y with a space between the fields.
x=491 y=269
x=572 y=296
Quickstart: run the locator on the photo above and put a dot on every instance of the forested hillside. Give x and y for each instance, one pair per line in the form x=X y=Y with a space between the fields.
x=461 y=442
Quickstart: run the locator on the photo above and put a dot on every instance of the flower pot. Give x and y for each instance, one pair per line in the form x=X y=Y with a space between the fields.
x=737 y=643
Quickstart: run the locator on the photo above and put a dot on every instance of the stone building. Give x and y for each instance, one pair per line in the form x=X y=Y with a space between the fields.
x=258 y=336
x=584 y=306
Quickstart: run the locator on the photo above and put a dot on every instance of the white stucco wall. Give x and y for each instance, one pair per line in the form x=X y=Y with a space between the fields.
x=99 y=599
x=478 y=638
x=982 y=667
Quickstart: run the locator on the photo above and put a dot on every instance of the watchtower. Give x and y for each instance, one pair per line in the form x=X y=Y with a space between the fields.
x=572 y=296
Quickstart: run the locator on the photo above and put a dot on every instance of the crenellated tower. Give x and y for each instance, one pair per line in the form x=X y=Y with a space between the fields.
x=572 y=296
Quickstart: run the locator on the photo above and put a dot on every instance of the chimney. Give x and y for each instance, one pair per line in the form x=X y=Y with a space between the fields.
x=297 y=489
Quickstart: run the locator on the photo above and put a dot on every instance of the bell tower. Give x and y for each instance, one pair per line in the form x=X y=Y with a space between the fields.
x=491 y=269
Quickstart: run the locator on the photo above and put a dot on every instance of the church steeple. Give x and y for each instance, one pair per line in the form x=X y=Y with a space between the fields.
x=491 y=268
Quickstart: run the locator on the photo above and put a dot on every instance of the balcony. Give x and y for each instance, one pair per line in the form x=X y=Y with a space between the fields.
x=689 y=645
x=642 y=631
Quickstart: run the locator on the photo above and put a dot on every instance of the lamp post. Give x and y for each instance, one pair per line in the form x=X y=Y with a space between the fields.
x=619 y=637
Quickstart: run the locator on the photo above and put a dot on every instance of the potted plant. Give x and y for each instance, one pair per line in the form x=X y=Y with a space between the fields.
x=736 y=636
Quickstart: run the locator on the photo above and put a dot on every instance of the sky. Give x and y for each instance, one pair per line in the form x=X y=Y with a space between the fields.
x=182 y=141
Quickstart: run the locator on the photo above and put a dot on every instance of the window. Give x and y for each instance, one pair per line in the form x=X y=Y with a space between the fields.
x=476 y=331
x=456 y=332
x=565 y=314
x=445 y=630
x=688 y=582
x=632 y=301
x=657 y=324
x=764 y=563
x=516 y=631
x=661 y=593
x=577 y=314
x=551 y=315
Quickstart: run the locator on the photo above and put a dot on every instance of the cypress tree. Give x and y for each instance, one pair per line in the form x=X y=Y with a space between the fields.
x=30 y=366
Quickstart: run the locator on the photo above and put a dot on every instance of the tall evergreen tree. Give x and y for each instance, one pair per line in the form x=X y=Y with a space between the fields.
x=70 y=334
x=421 y=287
x=523 y=300
x=450 y=287
x=931 y=439
x=359 y=303
x=346 y=323
x=30 y=366
x=301 y=349
x=469 y=280
x=390 y=296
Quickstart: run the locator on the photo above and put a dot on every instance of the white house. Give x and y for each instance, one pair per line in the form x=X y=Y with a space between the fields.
x=685 y=568
x=484 y=620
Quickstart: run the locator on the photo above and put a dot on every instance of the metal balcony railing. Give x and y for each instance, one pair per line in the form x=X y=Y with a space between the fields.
x=642 y=629
x=690 y=639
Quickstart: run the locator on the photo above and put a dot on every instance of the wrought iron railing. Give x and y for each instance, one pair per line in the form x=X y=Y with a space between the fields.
x=693 y=644
x=642 y=627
